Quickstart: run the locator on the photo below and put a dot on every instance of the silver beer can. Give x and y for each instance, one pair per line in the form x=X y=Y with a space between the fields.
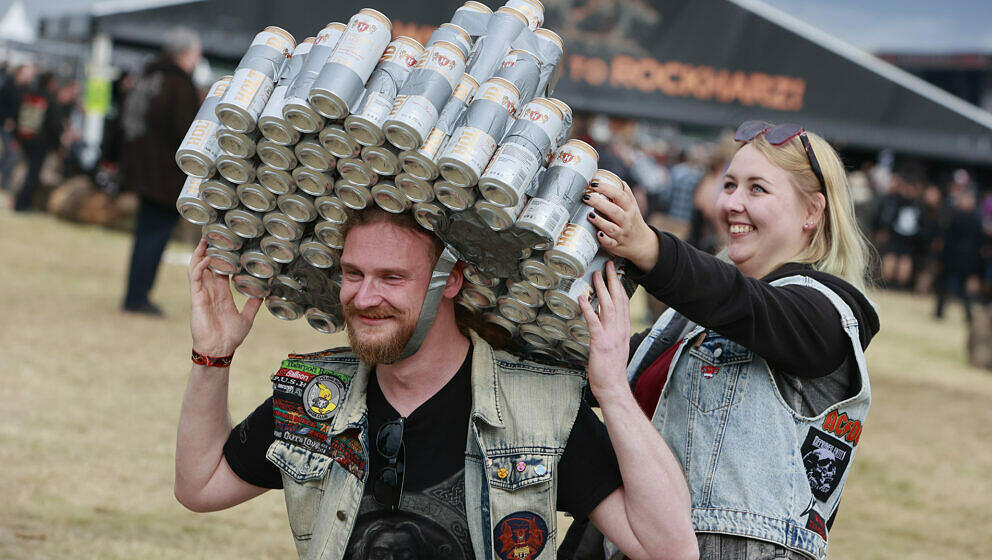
x=469 y=13
x=356 y=171
x=534 y=335
x=219 y=193
x=507 y=325
x=244 y=222
x=430 y=216
x=365 y=122
x=258 y=264
x=384 y=160
x=516 y=310
x=471 y=146
x=504 y=26
x=279 y=250
x=256 y=197
x=282 y=226
x=353 y=196
x=254 y=79
x=575 y=350
x=454 y=197
x=236 y=170
x=250 y=286
x=416 y=190
x=331 y=208
x=271 y=122
x=222 y=237
x=533 y=10
x=338 y=142
x=342 y=79
x=454 y=34
x=390 y=198
x=191 y=207
x=330 y=234
x=284 y=309
x=500 y=218
x=477 y=277
x=525 y=291
x=225 y=263
x=311 y=153
x=324 y=322
x=522 y=69
x=296 y=110
x=556 y=328
x=538 y=273
x=317 y=254
x=578 y=243
x=312 y=182
x=276 y=156
x=482 y=297
x=237 y=144
x=422 y=162
x=579 y=330
x=551 y=49
x=563 y=301
x=199 y=149
x=277 y=181
x=298 y=206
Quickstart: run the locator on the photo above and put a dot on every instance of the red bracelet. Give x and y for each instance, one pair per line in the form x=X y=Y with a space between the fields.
x=211 y=361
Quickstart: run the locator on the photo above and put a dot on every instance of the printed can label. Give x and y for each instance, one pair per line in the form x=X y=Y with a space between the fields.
x=251 y=90
x=574 y=157
x=513 y=165
x=446 y=59
x=415 y=111
x=472 y=147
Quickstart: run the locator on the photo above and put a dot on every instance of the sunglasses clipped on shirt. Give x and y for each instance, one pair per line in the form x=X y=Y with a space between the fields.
x=387 y=487
x=778 y=135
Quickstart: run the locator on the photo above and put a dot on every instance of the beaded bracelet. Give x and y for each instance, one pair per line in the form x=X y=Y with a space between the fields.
x=211 y=361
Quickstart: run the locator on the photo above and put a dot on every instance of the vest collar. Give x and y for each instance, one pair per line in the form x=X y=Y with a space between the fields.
x=487 y=398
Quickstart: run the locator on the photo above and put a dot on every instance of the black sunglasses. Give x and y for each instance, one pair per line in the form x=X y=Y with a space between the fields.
x=778 y=135
x=388 y=483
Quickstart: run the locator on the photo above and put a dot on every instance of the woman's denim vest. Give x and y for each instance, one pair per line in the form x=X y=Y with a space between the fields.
x=521 y=412
x=755 y=467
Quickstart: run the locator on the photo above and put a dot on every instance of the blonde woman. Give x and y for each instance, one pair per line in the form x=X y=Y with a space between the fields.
x=756 y=377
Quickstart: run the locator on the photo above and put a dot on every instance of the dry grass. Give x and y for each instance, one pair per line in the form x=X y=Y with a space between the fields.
x=91 y=399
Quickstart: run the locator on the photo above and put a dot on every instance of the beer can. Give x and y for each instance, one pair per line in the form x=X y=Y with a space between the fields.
x=324 y=322
x=504 y=26
x=578 y=244
x=258 y=264
x=236 y=170
x=482 y=297
x=237 y=144
x=470 y=13
x=477 y=277
x=353 y=196
x=471 y=146
x=222 y=237
x=507 y=325
x=277 y=181
x=342 y=79
x=499 y=218
x=331 y=208
x=566 y=128
x=525 y=291
x=516 y=310
x=276 y=156
x=533 y=10
x=454 y=34
x=250 y=286
x=330 y=234
x=467 y=305
x=225 y=263
x=422 y=97
x=416 y=190
x=522 y=69
x=551 y=49
x=279 y=250
x=384 y=160
x=284 y=309
x=199 y=149
x=298 y=206
x=556 y=328
x=316 y=253
x=422 y=162
x=338 y=142
x=219 y=193
x=538 y=273
x=254 y=79
x=575 y=350
x=452 y=196
x=244 y=222
x=311 y=153
x=312 y=182
x=563 y=301
x=282 y=226
x=579 y=330
x=534 y=335
x=256 y=197
x=430 y=216
x=390 y=198
x=365 y=122
x=191 y=207
x=357 y=172
x=297 y=111
x=271 y=122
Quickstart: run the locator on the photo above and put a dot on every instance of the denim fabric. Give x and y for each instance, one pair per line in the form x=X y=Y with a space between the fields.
x=729 y=547
x=744 y=450
x=521 y=411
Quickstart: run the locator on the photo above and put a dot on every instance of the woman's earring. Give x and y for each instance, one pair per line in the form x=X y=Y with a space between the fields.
x=807 y=225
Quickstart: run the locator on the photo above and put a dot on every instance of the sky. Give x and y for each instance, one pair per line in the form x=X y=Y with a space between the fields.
x=924 y=26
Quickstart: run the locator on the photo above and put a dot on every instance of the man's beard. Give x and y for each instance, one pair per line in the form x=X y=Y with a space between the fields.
x=384 y=348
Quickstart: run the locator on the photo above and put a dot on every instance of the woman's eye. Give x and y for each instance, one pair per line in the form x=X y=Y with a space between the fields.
x=729 y=186
x=758 y=189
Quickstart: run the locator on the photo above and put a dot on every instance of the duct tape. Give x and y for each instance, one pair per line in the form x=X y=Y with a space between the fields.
x=435 y=291
x=473 y=17
x=501 y=29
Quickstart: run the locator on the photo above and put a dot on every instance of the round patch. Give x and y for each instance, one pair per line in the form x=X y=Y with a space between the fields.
x=322 y=397
x=520 y=536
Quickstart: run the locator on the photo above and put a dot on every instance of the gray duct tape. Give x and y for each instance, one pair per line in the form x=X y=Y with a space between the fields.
x=264 y=59
x=435 y=291
x=474 y=23
x=429 y=84
x=309 y=70
x=550 y=55
x=524 y=74
x=487 y=116
x=490 y=49
x=525 y=132
x=452 y=115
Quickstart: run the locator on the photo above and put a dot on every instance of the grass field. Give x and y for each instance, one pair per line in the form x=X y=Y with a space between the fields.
x=91 y=398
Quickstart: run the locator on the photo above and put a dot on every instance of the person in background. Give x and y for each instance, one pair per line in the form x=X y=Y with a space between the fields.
x=155 y=118
x=898 y=225
x=38 y=130
x=960 y=242
x=10 y=101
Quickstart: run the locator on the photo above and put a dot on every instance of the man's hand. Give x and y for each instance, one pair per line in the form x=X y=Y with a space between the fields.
x=217 y=326
x=609 y=333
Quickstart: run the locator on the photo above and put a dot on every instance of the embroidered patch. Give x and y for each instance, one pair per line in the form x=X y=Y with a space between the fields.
x=520 y=536
x=346 y=450
x=321 y=354
x=842 y=426
x=825 y=459
x=322 y=397
x=710 y=371
x=815 y=523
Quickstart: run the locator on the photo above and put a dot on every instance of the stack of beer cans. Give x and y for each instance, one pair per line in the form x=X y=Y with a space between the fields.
x=461 y=132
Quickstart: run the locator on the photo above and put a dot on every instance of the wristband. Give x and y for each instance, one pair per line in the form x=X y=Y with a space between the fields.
x=211 y=361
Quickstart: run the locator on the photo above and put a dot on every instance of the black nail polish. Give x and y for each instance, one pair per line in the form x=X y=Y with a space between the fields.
x=592 y=215
x=585 y=197
x=601 y=234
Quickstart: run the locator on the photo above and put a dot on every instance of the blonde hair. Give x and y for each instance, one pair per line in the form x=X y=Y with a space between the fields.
x=838 y=246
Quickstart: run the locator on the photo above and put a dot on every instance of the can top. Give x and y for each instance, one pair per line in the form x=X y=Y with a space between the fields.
x=606 y=176
x=580 y=145
x=307 y=40
x=335 y=25
x=550 y=35
x=526 y=52
x=410 y=41
x=536 y=3
x=280 y=31
x=565 y=109
x=459 y=31
x=515 y=13
x=476 y=6
x=546 y=103
x=377 y=15
x=503 y=82
x=448 y=45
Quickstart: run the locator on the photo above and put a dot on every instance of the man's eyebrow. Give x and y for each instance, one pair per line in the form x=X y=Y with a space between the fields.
x=377 y=270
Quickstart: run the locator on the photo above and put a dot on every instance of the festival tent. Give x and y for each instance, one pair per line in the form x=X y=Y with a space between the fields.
x=15 y=26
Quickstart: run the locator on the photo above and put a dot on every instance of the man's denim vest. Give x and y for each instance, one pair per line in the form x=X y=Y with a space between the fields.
x=522 y=414
x=755 y=467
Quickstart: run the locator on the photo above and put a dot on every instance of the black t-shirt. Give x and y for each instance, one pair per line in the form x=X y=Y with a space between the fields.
x=431 y=516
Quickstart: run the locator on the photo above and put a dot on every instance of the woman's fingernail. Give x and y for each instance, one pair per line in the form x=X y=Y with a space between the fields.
x=585 y=197
x=592 y=215
x=601 y=234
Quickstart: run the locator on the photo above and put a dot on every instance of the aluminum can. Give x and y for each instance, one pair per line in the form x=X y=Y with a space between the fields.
x=430 y=216
x=477 y=277
x=469 y=13
x=533 y=10
x=422 y=162
x=566 y=128
x=384 y=160
x=468 y=152
x=236 y=170
x=298 y=206
x=561 y=189
x=256 y=197
x=276 y=156
x=365 y=122
x=547 y=355
x=277 y=181
x=220 y=194
x=507 y=325
x=500 y=218
x=525 y=291
x=522 y=69
x=390 y=198
x=579 y=330
x=199 y=149
x=467 y=305
x=329 y=234
x=191 y=207
x=271 y=122
x=452 y=196
x=225 y=263
x=297 y=111
x=490 y=48
x=331 y=208
x=250 y=286
x=258 y=264
x=422 y=97
x=237 y=144
x=342 y=79
x=454 y=34
x=534 y=335
x=578 y=244
x=551 y=49
x=316 y=253
x=244 y=222
x=563 y=301
x=254 y=79
x=282 y=226
x=279 y=250
x=284 y=309
x=312 y=182
x=356 y=171
x=482 y=297
x=415 y=190
x=556 y=328
x=575 y=350
x=516 y=310
x=538 y=273
x=324 y=322
x=311 y=153
x=338 y=142
x=353 y=196
x=222 y=237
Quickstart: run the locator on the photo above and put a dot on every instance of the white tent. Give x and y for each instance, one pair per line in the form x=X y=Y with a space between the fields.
x=15 y=25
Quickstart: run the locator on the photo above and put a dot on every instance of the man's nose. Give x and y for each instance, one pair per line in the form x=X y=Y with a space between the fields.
x=367 y=295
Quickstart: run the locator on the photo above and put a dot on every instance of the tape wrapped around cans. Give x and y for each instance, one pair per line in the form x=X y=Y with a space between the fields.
x=471 y=146
x=453 y=34
x=424 y=94
x=199 y=149
x=502 y=29
x=296 y=107
x=254 y=79
x=550 y=50
x=473 y=17
x=271 y=122
x=560 y=190
x=533 y=10
x=522 y=69
x=365 y=122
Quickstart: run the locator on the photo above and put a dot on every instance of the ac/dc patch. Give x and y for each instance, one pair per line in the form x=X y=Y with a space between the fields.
x=815 y=523
x=842 y=426
x=825 y=459
x=520 y=536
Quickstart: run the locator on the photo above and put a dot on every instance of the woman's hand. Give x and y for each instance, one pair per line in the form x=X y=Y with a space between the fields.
x=609 y=333
x=622 y=230
x=217 y=326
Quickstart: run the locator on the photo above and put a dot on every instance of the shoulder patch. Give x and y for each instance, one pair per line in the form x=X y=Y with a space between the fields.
x=825 y=459
x=520 y=536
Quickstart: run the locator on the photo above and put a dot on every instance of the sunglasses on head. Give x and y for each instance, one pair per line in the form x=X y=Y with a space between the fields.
x=388 y=483
x=778 y=135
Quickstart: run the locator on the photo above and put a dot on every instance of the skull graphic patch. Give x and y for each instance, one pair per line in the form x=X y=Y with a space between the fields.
x=825 y=459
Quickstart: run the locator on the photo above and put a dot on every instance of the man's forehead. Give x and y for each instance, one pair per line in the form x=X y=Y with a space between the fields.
x=386 y=240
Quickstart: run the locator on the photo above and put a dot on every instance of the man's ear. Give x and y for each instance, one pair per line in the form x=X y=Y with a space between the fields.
x=456 y=277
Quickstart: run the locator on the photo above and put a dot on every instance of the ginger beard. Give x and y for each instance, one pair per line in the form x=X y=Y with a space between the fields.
x=381 y=344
